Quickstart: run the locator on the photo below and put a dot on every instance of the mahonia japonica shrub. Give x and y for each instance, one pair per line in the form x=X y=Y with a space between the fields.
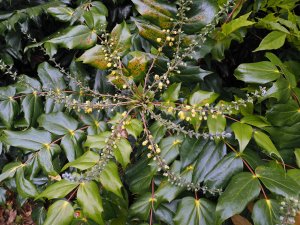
x=150 y=111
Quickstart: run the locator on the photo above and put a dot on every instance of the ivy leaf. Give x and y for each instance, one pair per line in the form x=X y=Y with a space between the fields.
x=58 y=190
x=273 y=40
x=242 y=189
x=266 y=212
x=139 y=176
x=158 y=131
x=170 y=147
x=33 y=107
x=200 y=14
x=158 y=12
x=71 y=144
x=9 y=170
x=172 y=93
x=284 y=114
x=243 y=134
x=86 y=161
x=9 y=107
x=51 y=77
x=209 y=156
x=190 y=149
x=96 y=56
x=223 y=171
x=110 y=179
x=277 y=181
x=263 y=141
x=259 y=73
x=32 y=139
x=95 y=18
x=74 y=37
x=25 y=187
x=97 y=141
x=61 y=13
x=193 y=212
x=45 y=160
x=280 y=90
x=167 y=192
x=89 y=199
x=58 y=123
x=60 y=213
x=141 y=207
x=134 y=128
x=149 y=31
x=122 y=152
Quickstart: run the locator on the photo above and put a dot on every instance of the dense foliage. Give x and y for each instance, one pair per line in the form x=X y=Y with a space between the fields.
x=150 y=111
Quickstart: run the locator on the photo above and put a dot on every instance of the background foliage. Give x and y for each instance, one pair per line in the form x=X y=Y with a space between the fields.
x=149 y=112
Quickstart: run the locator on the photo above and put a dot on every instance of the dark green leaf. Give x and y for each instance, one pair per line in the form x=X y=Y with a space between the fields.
x=266 y=212
x=277 y=181
x=29 y=139
x=193 y=212
x=110 y=179
x=9 y=170
x=219 y=176
x=33 y=107
x=89 y=199
x=51 y=77
x=58 y=123
x=25 y=187
x=242 y=188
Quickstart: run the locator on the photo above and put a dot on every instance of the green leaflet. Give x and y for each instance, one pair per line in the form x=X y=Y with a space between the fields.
x=273 y=40
x=243 y=133
x=89 y=199
x=259 y=73
x=58 y=123
x=58 y=190
x=60 y=213
x=32 y=139
x=277 y=181
x=266 y=212
x=192 y=211
x=242 y=188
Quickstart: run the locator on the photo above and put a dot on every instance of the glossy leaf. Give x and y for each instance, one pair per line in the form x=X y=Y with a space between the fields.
x=59 y=213
x=266 y=212
x=259 y=73
x=219 y=176
x=9 y=170
x=110 y=179
x=86 y=161
x=263 y=141
x=210 y=155
x=25 y=187
x=75 y=37
x=277 y=181
x=242 y=189
x=33 y=108
x=89 y=199
x=192 y=211
x=32 y=139
x=58 y=123
x=51 y=77
x=58 y=190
